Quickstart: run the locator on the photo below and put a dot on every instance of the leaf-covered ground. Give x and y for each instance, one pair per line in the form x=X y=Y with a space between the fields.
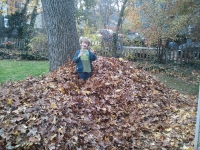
x=119 y=107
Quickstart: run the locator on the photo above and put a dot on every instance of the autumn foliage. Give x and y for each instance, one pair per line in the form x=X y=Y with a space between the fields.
x=119 y=107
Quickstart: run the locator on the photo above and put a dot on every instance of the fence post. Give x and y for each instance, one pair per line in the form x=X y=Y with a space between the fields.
x=197 y=140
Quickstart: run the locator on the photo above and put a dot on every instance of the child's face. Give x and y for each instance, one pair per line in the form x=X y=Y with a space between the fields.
x=84 y=45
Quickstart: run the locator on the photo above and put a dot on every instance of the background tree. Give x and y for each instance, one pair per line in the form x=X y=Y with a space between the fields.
x=119 y=23
x=12 y=6
x=61 y=31
x=105 y=9
x=15 y=25
x=189 y=15
x=160 y=20
x=17 y=21
x=2 y=6
x=28 y=30
x=2 y=11
x=6 y=8
x=85 y=15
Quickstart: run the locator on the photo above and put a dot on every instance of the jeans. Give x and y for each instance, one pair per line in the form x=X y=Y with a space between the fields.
x=84 y=75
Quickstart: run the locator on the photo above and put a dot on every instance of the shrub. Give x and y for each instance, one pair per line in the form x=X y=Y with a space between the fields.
x=32 y=56
x=39 y=43
x=131 y=57
x=132 y=42
x=96 y=47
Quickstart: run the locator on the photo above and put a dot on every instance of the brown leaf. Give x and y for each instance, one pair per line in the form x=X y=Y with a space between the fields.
x=53 y=105
x=33 y=139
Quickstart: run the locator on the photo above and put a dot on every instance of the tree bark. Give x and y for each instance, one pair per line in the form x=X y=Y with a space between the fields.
x=61 y=31
x=121 y=15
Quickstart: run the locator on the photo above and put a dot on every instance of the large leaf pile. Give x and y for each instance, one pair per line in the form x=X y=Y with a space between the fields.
x=119 y=107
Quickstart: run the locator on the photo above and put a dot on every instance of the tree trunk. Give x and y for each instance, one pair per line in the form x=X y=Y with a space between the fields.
x=121 y=15
x=24 y=12
x=159 y=50
x=28 y=29
x=61 y=31
x=2 y=32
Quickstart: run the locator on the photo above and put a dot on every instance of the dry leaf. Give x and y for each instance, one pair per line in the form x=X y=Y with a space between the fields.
x=53 y=105
x=10 y=101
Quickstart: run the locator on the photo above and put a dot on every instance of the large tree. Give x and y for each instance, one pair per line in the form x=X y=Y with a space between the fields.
x=61 y=31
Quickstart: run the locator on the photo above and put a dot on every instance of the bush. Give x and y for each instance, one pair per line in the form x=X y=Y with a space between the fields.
x=26 y=56
x=96 y=47
x=39 y=43
x=32 y=56
x=2 y=54
x=132 y=42
x=131 y=57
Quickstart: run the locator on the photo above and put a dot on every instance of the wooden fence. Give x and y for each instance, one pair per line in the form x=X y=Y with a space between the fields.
x=15 y=48
x=95 y=43
x=187 y=55
x=139 y=53
x=12 y=43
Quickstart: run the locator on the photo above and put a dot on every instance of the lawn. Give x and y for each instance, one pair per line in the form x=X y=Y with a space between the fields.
x=179 y=84
x=184 y=78
x=19 y=70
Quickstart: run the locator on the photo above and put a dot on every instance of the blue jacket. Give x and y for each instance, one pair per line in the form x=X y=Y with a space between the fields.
x=79 y=66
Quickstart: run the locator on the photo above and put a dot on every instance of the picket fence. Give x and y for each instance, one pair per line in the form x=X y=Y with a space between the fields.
x=187 y=55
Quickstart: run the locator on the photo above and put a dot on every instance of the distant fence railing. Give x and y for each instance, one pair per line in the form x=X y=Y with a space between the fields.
x=139 y=53
x=187 y=55
x=95 y=43
x=12 y=42
x=183 y=55
x=15 y=49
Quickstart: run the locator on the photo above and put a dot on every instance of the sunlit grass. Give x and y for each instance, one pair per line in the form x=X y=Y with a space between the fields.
x=19 y=70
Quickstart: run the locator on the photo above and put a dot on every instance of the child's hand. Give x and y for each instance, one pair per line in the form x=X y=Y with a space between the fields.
x=80 y=54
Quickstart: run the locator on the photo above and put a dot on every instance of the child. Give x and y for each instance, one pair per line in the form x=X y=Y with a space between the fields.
x=83 y=59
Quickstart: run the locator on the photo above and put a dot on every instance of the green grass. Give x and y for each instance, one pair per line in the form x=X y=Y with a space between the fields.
x=184 y=78
x=179 y=84
x=19 y=70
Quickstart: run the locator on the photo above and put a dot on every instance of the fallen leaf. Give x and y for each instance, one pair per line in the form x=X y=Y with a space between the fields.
x=120 y=59
x=53 y=105
x=168 y=129
x=10 y=101
x=33 y=139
